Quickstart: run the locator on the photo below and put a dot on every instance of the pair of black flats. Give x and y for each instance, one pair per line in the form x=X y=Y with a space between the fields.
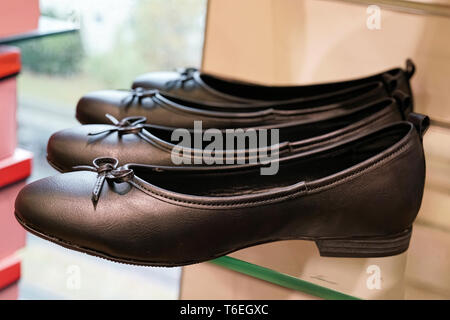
x=349 y=158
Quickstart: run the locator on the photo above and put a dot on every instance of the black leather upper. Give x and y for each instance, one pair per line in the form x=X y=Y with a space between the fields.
x=135 y=142
x=350 y=174
x=368 y=185
x=191 y=84
x=160 y=109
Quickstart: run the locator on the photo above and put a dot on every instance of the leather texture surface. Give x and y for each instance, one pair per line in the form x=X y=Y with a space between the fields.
x=146 y=144
x=192 y=84
x=166 y=110
x=367 y=186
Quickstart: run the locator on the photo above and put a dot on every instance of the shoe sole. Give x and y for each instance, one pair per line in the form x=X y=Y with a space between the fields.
x=369 y=247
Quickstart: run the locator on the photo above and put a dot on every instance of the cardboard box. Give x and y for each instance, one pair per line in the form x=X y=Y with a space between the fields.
x=9 y=271
x=18 y=16
x=304 y=42
x=15 y=168
x=9 y=68
x=11 y=292
x=13 y=171
x=365 y=278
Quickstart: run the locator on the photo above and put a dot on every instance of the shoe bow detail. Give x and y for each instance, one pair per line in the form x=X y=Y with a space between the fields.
x=186 y=74
x=125 y=126
x=137 y=94
x=108 y=170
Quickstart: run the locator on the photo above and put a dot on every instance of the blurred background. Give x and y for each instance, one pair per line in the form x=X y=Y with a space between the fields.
x=282 y=42
x=118 y=40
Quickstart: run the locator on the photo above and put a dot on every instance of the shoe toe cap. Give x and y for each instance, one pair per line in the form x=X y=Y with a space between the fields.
x=60 y=209
x=93 y=107
x=53 y=207
x=75 y=146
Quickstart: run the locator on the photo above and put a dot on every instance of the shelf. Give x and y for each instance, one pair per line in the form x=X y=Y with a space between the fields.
x=280 y=279
x=47 y=27
x=408 y=6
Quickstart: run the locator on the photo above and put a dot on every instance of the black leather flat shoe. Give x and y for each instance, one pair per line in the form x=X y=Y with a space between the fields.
x=194 y=85
x=355 y=198
x=164 y=110
x=131 y=140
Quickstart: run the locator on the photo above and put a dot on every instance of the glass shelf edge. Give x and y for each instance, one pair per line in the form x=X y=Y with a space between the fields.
x=57 y=27
x=280 y=279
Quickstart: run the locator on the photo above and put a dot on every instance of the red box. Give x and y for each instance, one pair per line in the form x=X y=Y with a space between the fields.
x=11 y=292
x=9 y=68
x=9 y=273
x=14 y=169
x=18 y=16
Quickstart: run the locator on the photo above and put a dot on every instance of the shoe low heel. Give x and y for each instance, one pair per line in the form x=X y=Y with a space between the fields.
x=365 y=247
